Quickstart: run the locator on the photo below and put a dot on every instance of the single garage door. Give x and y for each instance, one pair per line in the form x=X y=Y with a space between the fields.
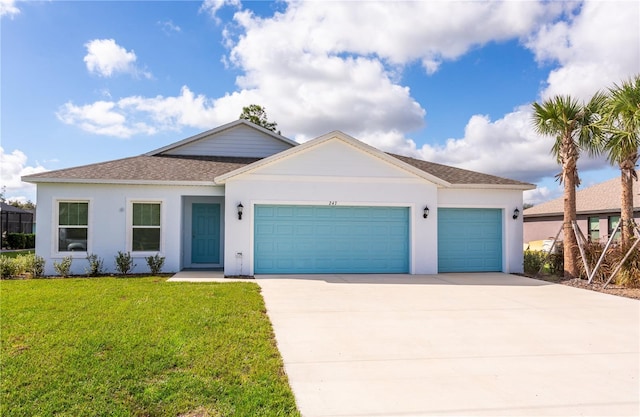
x=469 y=240
x=330 y=239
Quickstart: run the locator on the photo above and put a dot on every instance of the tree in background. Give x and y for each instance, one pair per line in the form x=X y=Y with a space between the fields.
x=28 y=205
x=621 y=125
x=258 y=115
x=574 y=128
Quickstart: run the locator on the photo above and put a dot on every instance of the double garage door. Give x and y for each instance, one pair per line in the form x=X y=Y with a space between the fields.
x=330 y=239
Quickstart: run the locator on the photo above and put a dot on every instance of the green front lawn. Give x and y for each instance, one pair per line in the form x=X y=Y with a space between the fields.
x=138 y=347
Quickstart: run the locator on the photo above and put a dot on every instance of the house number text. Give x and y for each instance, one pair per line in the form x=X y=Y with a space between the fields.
x=333 y=203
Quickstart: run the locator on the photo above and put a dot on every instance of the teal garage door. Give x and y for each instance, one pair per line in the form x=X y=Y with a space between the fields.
x=469 y=240
x=330 y=239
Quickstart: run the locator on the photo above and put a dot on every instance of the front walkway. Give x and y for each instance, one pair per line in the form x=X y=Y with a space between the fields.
x=205 y=276
x=454 y=344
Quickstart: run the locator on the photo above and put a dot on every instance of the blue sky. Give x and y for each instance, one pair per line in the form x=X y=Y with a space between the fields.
x=451 y=82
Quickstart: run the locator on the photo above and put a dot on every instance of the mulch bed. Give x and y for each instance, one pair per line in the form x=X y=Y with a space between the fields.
x=594 y=286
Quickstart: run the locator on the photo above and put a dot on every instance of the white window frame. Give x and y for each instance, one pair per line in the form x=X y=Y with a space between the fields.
x=56 y=228
x=130 y=203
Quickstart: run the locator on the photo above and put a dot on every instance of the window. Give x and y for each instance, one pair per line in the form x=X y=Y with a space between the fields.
x=145 y=227
x=594 y=228
x=613 y=222
x=73 y=226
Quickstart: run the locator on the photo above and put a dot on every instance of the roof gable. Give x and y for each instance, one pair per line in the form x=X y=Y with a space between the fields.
x=240 y=138
x=340 y=155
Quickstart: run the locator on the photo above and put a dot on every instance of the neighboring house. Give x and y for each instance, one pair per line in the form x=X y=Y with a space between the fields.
x=15 y=220
x=242 y=198
x=597 y=209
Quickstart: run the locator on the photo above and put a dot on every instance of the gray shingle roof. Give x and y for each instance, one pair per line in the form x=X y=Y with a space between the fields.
x=148 y=168
x=457 y=175
x=602 y=197
x=11 y=209
x=204 y=169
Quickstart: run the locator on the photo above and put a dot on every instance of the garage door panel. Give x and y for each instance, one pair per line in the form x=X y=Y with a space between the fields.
x=469 y=240
x=331 y=239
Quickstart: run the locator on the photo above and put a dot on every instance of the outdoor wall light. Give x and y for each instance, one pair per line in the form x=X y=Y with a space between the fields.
x=425 y=213
x=516 y=213
x=240 y=207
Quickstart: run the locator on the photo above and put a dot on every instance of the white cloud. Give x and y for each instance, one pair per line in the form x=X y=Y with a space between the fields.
x=169 y=27
x=340 y=68
x=321 y=66
x=540 y=195
x=137 y=115
x=106 y=58
x=212 y=6
x=8 y=8
x=526 y=155
x=595 y=48
x=13 y=167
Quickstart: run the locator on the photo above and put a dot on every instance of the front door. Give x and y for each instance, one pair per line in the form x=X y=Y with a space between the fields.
x=205 y=233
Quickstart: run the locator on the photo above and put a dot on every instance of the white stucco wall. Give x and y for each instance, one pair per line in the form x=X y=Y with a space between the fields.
x=336 y=172
x=251 y=190
x=108 y=226
x=330 y=172
x=508 y=201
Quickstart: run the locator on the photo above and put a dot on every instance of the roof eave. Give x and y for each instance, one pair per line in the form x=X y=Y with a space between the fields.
x=582 y=212
x=114 y=181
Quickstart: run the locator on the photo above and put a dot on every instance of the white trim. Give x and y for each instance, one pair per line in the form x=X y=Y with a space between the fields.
x=337 y=179
x=220 y=129
x=55 y=218
x=335 y=135
x=495 y=186
x=129 y=225
x=118 y=182
x=186 y=230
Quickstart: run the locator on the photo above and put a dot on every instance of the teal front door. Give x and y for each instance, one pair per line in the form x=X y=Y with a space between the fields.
x=205 y=232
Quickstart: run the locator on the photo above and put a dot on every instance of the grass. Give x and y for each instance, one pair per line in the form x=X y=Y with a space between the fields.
x=138 y=347
x=14 y=254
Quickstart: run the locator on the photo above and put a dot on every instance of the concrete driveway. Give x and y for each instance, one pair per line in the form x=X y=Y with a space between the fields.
x=454 y=344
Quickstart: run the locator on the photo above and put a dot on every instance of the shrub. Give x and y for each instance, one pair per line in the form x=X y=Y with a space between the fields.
x=95 y=265
x=629 y=274
x=8 y=267
x=29 y=241
x=63 y=267
x=533 y=260
x=20 y=241
x=124 y=262
x=16 y=240
x=155 y=263
x=36 y=265
x=556 y=260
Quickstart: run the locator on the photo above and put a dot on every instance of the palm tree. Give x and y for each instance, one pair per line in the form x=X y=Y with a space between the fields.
x=621 y=122
x=574 y=128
